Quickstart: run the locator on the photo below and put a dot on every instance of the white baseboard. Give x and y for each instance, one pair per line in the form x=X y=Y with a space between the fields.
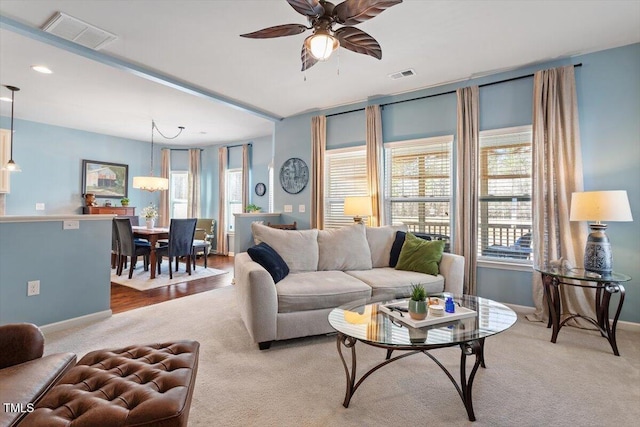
x=76 y=321
x=622 y=324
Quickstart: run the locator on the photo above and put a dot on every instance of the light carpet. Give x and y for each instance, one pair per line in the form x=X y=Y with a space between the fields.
x=528 y=380
x=141 y=279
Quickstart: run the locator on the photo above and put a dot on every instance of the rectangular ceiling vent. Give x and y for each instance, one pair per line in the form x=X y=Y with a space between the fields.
x=402 y=74
x=75 y=30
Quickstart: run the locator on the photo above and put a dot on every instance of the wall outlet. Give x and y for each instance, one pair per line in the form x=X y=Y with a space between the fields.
x=301 y=208
x=39 y=206
x=70 y=225
x=288 y=208
x=33 y=288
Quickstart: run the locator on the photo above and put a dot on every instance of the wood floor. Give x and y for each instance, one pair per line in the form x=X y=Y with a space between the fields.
x=124 y=298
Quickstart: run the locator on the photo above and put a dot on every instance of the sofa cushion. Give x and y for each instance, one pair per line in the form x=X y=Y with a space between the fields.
x=314 y=290
x=396 y=248
x=298 y=248
x=264 y=255
x=343 y=249
x=391 y=283
x=420 y=255
x=380 y=241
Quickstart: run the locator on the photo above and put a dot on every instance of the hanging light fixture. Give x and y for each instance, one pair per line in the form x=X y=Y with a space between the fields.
x=154 y=183
x=321 y=44
x=11 y=166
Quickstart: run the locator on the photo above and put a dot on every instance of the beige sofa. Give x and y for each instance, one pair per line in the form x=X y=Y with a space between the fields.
x=328 y=268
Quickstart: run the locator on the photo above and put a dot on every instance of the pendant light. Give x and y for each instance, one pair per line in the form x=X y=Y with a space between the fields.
x=11 y=166
x=154 y=183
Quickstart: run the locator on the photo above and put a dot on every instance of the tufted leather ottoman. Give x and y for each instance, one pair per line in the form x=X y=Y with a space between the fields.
x=148 y=385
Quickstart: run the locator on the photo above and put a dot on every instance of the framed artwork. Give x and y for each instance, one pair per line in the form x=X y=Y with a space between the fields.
x=294 y=175
x=261 y=189
x=104 y=179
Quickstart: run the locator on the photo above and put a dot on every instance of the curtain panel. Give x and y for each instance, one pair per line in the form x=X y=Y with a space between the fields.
x=318 y=148
x=557 y=172
x=466 y=213
x=165 y=171
x=194 y=177
x=222 y=247
x=374 y=163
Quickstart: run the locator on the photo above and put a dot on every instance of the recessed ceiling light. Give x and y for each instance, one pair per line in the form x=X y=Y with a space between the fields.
x=5 y=99
x=41 y=69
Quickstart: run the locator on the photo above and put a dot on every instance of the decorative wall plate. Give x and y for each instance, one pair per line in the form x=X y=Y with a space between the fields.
x=261 y=189
x=294 y=175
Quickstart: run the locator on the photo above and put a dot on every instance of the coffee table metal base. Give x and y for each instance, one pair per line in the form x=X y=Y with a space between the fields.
x=469 y=348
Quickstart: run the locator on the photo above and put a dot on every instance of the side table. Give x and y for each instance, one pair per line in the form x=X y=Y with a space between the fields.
x=605 y=286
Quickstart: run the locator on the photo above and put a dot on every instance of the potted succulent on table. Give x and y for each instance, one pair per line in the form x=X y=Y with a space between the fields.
x=418 y=302
x=252 y=208
x=150 y=214
x=124 y=201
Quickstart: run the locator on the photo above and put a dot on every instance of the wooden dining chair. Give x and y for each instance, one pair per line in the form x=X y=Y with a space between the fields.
x=128 y=247
x=293 y=226
x=180 y=244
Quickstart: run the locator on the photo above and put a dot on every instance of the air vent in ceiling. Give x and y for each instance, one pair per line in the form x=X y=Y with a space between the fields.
x=75 y=30
x=402 y=74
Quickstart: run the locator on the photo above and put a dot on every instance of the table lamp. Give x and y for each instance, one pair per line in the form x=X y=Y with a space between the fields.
x=599 y=206
x=357 y=207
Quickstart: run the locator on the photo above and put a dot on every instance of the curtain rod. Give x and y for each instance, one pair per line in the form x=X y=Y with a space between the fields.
x=183 y=149
x=449 y=92
x=238 y=145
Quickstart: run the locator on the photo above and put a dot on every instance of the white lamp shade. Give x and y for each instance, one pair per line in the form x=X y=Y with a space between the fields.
x=357 y=206
x=150 y=183
x=321 y=45
x=600 y=206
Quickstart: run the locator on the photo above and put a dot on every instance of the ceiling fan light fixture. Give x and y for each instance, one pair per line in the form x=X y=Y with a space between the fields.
x=321 y=45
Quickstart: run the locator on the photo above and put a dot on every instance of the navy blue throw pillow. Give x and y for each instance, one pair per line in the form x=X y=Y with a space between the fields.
x=267 y=257
x=397 y=246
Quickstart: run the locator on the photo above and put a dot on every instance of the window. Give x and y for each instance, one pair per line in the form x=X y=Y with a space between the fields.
x=179 y=194
x=233 y=196
x=418 y=184
x=345 y=174
x=504 y=208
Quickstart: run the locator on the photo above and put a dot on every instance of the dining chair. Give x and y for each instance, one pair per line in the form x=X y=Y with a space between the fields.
x=202 y=239
x=128 y=247
x=180 y=244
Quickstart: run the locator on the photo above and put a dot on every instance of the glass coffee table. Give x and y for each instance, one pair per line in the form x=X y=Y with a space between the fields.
x=366 y=322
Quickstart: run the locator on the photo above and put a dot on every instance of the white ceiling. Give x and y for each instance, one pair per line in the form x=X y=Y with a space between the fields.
x=198 y=43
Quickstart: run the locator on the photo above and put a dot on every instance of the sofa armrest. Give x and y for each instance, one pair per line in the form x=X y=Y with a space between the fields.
x=452 y=268
x=257 y=298
x=19 y=343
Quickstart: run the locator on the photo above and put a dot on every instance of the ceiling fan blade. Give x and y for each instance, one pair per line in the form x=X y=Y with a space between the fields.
x=277 y=31
x=358 y=41
x=308 y=60
x=307 y=7
x=352 y=12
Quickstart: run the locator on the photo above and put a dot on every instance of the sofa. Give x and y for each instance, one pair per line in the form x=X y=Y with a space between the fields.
x=327 y=268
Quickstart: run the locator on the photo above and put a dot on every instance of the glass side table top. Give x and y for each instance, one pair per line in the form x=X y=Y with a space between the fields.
x=364 y=321
x=582 y=274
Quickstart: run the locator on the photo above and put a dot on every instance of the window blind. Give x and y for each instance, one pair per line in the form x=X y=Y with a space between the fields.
x=345 y=175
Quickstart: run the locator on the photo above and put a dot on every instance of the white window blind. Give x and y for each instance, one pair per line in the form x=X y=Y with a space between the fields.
x=418 y=184
x=504 y=209
x=345 y=175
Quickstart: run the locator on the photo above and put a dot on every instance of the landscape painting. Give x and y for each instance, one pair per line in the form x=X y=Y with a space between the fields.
x=108 y=180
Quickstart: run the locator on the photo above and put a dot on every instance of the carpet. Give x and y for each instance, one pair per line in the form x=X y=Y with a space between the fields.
x=142 y=282
x=528 y=380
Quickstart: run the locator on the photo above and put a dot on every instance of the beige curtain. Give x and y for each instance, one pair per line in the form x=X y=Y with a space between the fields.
x=557 y=172
x=466 y=214
x=374 y=163
x=246 y=168
x=193 y=198
x=165 y=168
x=222 y=248
x=318 y=146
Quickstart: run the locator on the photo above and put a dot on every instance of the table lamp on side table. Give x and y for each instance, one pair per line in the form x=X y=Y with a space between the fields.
x=357 y=207
x=599 y=206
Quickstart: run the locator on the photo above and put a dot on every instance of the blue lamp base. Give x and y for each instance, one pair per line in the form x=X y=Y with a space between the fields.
x=597 y=254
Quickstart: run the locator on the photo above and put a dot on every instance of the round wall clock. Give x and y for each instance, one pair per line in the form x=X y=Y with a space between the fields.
x=294 y=175
x=261 y=189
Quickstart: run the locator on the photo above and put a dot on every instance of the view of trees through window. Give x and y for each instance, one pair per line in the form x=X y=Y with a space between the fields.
x=179 y=194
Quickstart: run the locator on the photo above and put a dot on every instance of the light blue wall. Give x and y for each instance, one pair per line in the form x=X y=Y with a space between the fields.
x=72 y=266
x=608 y=89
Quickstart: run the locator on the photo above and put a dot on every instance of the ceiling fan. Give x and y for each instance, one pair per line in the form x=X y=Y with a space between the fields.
x=322 y=16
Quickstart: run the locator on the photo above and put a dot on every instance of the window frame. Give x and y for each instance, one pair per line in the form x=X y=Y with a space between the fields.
x=227 y=199
x=329 y=199
x=172 y=200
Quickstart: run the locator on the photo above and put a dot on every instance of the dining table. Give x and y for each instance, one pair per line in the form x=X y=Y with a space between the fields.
x=153 y=235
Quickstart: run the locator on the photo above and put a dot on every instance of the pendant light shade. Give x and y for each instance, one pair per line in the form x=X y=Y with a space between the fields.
x=154 y=183
x=11 y=166
x=321 y=45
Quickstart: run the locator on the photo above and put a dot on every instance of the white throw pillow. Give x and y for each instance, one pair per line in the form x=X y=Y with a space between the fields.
x=380 y=242
x=298 y=248
x=344 y=249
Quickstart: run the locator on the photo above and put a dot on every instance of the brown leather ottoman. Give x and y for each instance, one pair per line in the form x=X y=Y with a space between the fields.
x=148 y=385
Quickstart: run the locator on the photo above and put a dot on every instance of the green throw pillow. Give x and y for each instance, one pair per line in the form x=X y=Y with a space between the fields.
x=420 y=255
